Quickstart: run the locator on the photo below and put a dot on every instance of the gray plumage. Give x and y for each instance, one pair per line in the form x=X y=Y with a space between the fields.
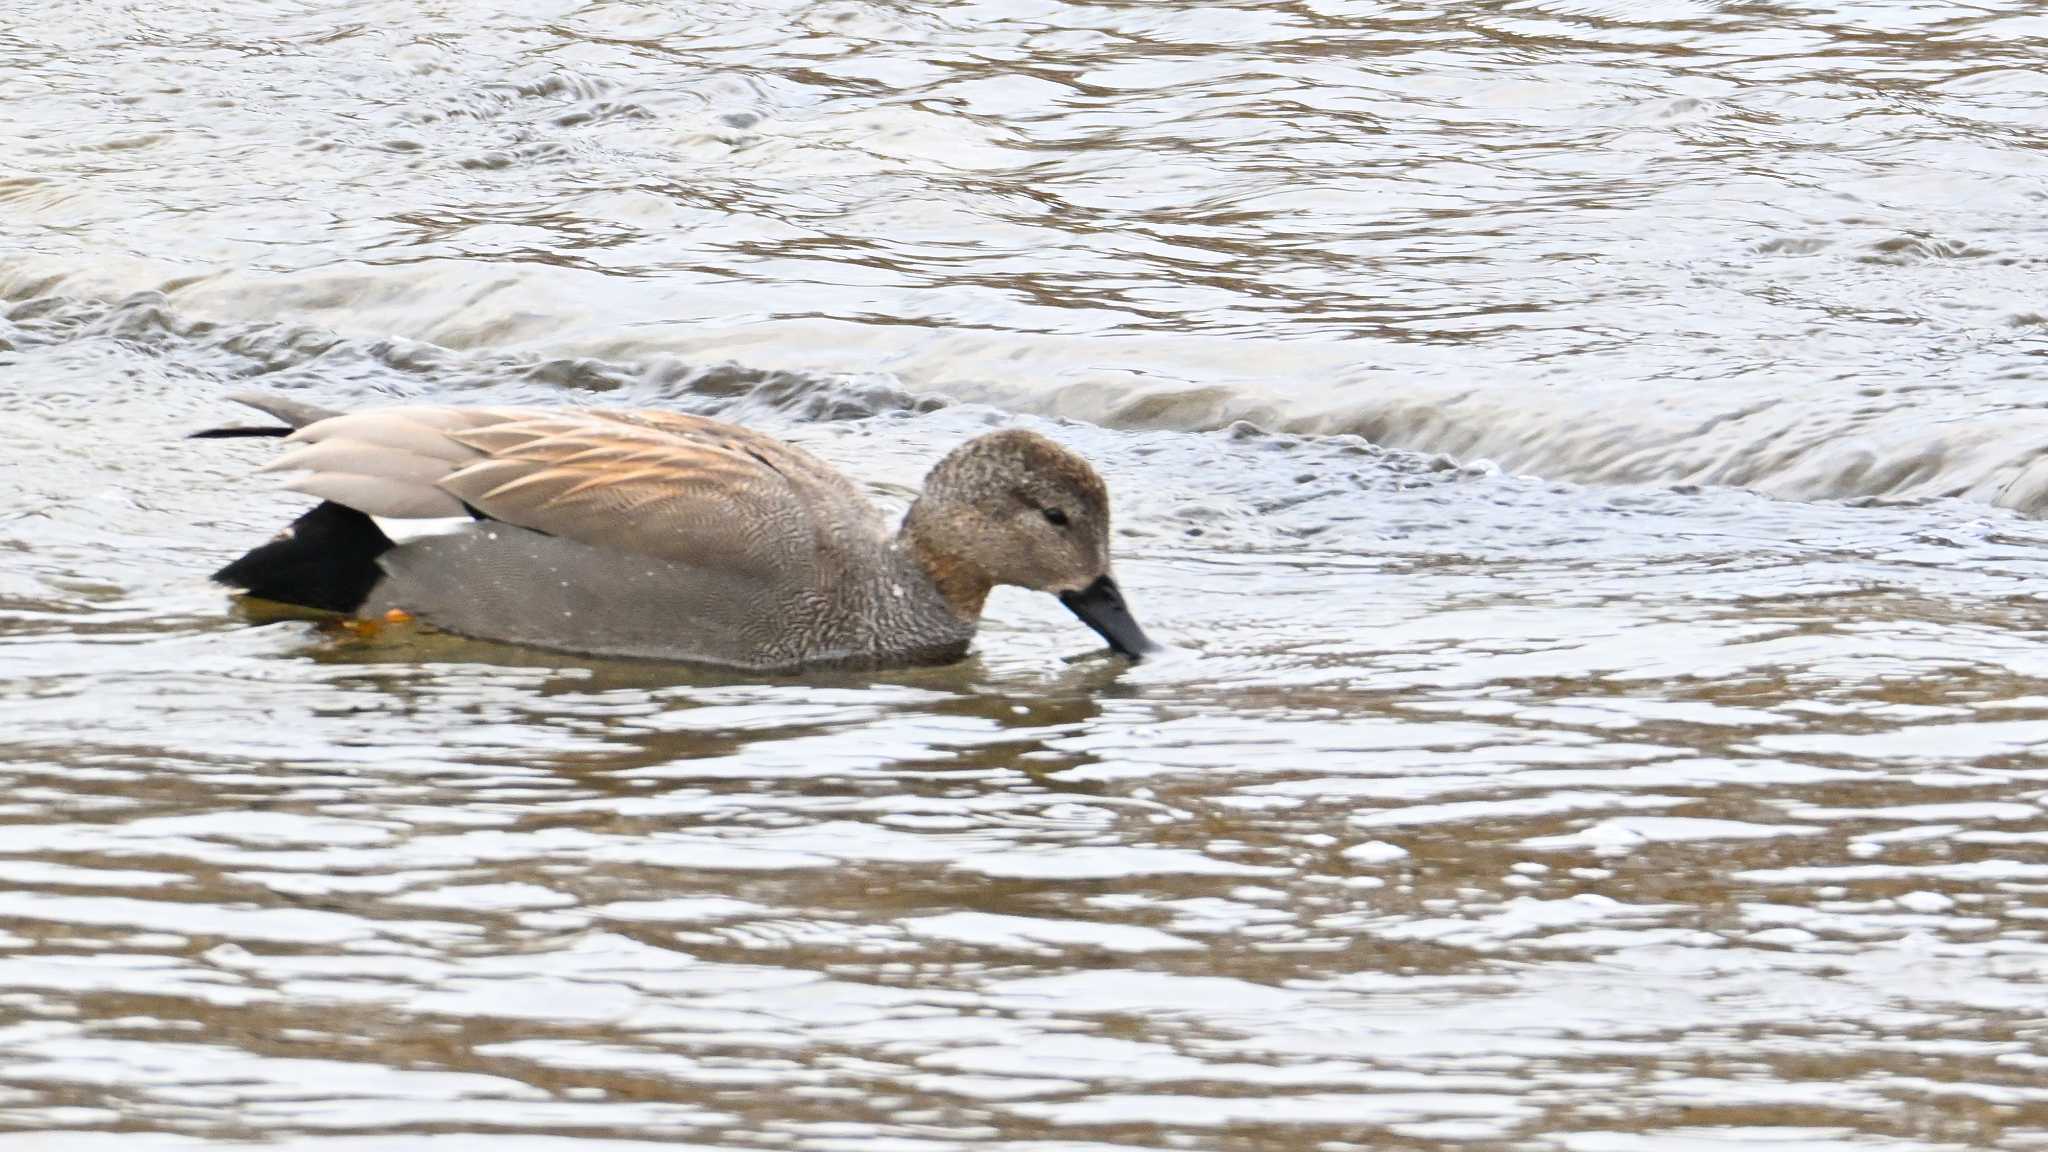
x=661 y=535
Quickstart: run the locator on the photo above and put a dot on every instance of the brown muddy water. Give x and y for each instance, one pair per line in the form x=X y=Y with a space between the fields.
x=1586 y=455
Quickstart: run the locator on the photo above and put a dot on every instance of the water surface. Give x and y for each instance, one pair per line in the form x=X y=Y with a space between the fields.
x=1585 y=456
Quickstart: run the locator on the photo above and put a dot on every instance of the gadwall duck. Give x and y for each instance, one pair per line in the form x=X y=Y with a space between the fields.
x=673 y=537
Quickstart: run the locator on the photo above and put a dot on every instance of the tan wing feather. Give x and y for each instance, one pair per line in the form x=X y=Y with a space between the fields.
x=661 y=484
x=386 y=461
x=803 y=468
x=621 y=484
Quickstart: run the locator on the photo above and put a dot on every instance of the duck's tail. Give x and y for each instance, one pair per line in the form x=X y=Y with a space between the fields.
x=327 y=559
x=296 y=414
x=231 y=431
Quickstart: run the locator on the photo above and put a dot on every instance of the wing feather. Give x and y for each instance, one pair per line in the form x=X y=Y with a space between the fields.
x=364 y=458
x=661 y=484
x=379 y=495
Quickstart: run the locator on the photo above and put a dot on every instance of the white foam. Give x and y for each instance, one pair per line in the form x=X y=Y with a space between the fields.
x=681 y=909
x=488 y=897
x=1935 y=743
x=40 y=872
x=1027 y=932
x=1623 y=834
x=1494 y=1115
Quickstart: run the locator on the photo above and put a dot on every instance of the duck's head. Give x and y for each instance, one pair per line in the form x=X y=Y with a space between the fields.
x=1012 y=507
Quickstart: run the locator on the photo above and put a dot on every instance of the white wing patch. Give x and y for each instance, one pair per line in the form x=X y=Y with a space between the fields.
x=401 y=531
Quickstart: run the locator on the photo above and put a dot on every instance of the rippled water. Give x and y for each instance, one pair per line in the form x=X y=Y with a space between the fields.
x=1611 y=688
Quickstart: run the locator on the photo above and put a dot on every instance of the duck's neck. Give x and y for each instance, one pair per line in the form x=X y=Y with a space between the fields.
x=960 y=582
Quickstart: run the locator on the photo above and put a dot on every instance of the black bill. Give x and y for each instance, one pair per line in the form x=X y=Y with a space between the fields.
x=1101 y=607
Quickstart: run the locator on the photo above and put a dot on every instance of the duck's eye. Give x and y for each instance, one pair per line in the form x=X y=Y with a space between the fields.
x=1054 y=517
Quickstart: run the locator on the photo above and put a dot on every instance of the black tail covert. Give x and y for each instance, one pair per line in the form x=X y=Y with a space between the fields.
x=326 y=560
